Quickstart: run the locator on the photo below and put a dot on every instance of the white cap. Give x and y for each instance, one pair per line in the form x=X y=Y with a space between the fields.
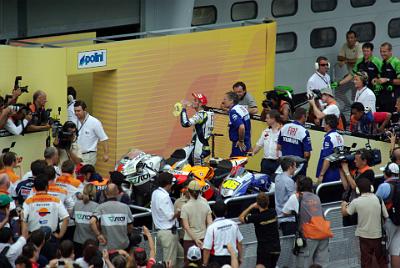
x=393 y=168
x=226 y=266
x=194 y=253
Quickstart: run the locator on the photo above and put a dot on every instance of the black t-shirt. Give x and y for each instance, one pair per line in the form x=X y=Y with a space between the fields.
x=266 y=228
x=368 y=174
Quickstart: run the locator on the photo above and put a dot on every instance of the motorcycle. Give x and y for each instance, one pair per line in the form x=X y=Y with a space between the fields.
x=241 y=181
x=140 y=170
x=179 y=158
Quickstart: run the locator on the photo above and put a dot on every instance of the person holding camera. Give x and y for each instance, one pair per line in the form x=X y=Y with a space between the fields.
x=349 y=178
x=370 y=211
x=67 y=145
x=269 y=142
x=276 y=101
x=294 y=138
x=18 y=120
x=314 y=229
x=328 y=99
x=332 y=140
x=40 y=116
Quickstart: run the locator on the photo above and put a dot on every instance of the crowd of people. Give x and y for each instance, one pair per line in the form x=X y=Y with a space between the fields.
x=62 y=213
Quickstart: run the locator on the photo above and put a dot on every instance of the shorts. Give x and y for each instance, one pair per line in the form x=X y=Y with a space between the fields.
x=265 y=257
x=393 y=233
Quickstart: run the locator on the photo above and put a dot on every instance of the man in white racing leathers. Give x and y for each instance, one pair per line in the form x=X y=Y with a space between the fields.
x=203 y=122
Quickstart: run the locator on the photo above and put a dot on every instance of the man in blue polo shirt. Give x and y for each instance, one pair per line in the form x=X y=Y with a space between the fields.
x=239 y=125
x=332 y=140
x=294 y=139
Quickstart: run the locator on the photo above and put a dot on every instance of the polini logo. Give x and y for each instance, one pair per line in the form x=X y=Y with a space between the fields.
x=90 y=59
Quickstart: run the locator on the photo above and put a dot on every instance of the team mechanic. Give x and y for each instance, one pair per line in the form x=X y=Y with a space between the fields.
x=203 y=122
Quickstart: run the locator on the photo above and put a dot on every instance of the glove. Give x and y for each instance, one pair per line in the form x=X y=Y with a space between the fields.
x=389 y=88
x=378 y=88
x=334 y=85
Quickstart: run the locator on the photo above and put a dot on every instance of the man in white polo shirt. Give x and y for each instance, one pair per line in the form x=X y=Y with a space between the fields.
x=90 y=132
x=320 y=79
x=218 y=235
x=165 y=219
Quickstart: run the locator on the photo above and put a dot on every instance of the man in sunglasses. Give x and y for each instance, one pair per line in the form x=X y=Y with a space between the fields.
x=320 y=79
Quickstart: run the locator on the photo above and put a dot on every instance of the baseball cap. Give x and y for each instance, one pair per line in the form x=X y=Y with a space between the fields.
x=392 y=167
x=194 y=186
x=226 y=266
x=194 y=253
x=4 y=200
x=327 y=91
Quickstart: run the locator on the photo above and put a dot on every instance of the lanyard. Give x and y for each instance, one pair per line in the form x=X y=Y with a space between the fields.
x=359 y=95
x=86 y=118
x=323 y=79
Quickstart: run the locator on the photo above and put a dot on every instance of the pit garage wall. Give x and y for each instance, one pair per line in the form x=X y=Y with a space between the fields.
x=144 y=78
x=41 y=68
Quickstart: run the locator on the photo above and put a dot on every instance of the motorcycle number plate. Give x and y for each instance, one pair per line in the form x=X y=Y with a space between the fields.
x=230 y=184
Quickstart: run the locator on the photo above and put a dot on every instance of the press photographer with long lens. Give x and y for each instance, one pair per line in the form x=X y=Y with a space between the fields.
x=66 y=143
x=40 y=116
x=277 y=100
x=362 y=161
x=18 y=120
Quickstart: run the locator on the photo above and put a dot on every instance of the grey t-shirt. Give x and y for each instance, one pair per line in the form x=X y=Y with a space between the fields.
x=82 y=214
x=248 y=101
x=284 y=188
x=114 y=218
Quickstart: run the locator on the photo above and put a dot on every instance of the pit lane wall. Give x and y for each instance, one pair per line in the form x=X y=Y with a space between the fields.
x=223 y=145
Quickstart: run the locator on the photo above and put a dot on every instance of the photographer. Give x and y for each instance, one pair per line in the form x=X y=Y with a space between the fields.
x=276 y=101
x=327 y=98
x=67 y=145
x=4 y=113
x=40 y=116
x=332 y=140
x=349 y=178
x=18 y=120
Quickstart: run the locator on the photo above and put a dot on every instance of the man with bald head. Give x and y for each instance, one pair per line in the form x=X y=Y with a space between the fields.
x=40 y=118
x=115 y=219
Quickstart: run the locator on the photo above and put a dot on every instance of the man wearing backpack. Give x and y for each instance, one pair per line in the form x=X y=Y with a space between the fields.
x=370 y=212
x=9 y=251
x=311 y=224
x=389 y=191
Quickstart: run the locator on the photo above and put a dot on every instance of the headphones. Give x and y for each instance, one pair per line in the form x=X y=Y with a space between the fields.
x=316 y=64
x=371 y=189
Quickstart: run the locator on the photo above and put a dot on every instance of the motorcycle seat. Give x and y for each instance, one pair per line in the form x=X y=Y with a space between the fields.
x=176 y=156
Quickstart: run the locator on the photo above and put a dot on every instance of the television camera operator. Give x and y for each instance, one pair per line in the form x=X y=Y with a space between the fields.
x=363 y=160
x=66 y=142
x=277 y=100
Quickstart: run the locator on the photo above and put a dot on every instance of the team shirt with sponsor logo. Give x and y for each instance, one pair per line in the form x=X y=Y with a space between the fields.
x=43 y=209
x=239 y=115
x=114 y=217
x=220 y=233
x=294 y=139
x=82 y=213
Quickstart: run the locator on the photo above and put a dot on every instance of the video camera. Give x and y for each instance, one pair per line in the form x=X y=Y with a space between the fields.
x=315 y=94
x=278 y=93
x=346 y=154
x=64 y=136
